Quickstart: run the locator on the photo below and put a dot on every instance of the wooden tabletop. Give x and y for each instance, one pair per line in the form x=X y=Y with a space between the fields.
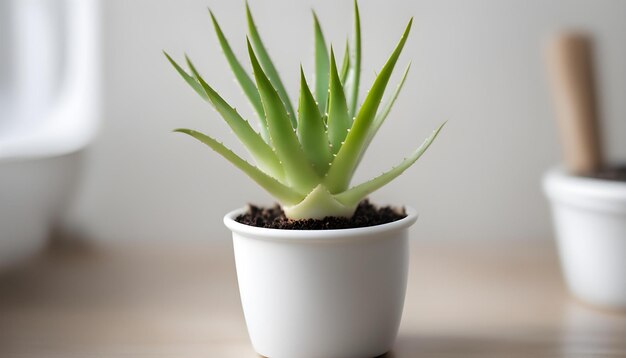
x=155 y=300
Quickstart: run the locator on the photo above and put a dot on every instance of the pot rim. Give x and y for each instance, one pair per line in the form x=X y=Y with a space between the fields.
x=284 y=234
x=558 y=184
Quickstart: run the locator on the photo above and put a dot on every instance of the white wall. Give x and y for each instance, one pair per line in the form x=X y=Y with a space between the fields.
x=477 y=64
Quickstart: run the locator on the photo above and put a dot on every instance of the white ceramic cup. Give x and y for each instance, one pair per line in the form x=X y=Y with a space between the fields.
x=590 y=221
x=322 y=293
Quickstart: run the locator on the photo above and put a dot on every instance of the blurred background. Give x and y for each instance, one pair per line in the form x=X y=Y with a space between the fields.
x=87 y=155
x=479 y=65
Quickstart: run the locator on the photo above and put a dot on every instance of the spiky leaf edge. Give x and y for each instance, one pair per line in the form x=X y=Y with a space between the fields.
x=355 y=194
x=259 y=149
x=283 y=193
x=311 y=129
x=244 y=80
x=338 y=118
x=298 y=170
x=344 y=164
x=383 y=113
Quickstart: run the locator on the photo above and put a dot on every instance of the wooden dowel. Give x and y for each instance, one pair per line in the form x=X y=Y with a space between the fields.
x=571 y=67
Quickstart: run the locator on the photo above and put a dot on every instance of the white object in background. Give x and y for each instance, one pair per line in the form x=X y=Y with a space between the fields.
x=52 y=119
x=322 y=293
x=590 y=220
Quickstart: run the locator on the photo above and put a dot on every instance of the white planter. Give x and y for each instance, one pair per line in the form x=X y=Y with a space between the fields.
x=322 y=293
x=590 y=221
x=44 y=132
x=34 y=193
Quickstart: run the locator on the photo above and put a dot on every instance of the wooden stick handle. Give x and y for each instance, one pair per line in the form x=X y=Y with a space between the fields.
x=571 y=67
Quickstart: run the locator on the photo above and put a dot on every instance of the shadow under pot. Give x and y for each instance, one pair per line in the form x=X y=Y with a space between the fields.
x=589 y=216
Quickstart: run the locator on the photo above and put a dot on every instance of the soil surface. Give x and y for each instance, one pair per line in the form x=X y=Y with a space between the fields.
x=366 y=214
x=617 y=173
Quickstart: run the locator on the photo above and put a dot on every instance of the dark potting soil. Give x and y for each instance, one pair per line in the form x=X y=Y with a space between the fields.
x=366 y=214
x=616 y=173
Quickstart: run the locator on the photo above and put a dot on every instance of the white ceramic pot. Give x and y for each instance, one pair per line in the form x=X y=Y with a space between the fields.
x=322 y=293
x=34 y=193
x=590 y=221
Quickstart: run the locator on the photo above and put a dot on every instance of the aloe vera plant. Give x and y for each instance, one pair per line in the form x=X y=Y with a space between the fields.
x=306 y=160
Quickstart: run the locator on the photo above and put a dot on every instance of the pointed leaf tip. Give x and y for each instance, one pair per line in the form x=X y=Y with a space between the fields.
x=321 y=66
x=268 y=66
x=348 y=156
x=338 y=117
x=242 y=77
x=189 y=79
x=355 y=194
x=297 y=167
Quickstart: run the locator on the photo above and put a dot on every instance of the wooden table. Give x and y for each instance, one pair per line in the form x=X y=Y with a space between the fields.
x=152 y=300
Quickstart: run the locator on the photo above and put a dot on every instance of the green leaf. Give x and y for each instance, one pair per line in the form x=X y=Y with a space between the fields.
x=284 y=194
x=357 y=193
x=343 y=166
x=354 y=74
x=338 y=120
x=321 y=66
x=311 y=130
x=263 y=154
x=189 y=79
x=268 y=66
x=246 y=83
x=345 y=66
x=383 y=113
x=298 y=169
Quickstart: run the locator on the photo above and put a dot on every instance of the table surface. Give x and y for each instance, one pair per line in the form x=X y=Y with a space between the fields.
x=156 y=300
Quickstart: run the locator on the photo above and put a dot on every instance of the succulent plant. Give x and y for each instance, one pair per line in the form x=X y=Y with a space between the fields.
x=306 y=160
